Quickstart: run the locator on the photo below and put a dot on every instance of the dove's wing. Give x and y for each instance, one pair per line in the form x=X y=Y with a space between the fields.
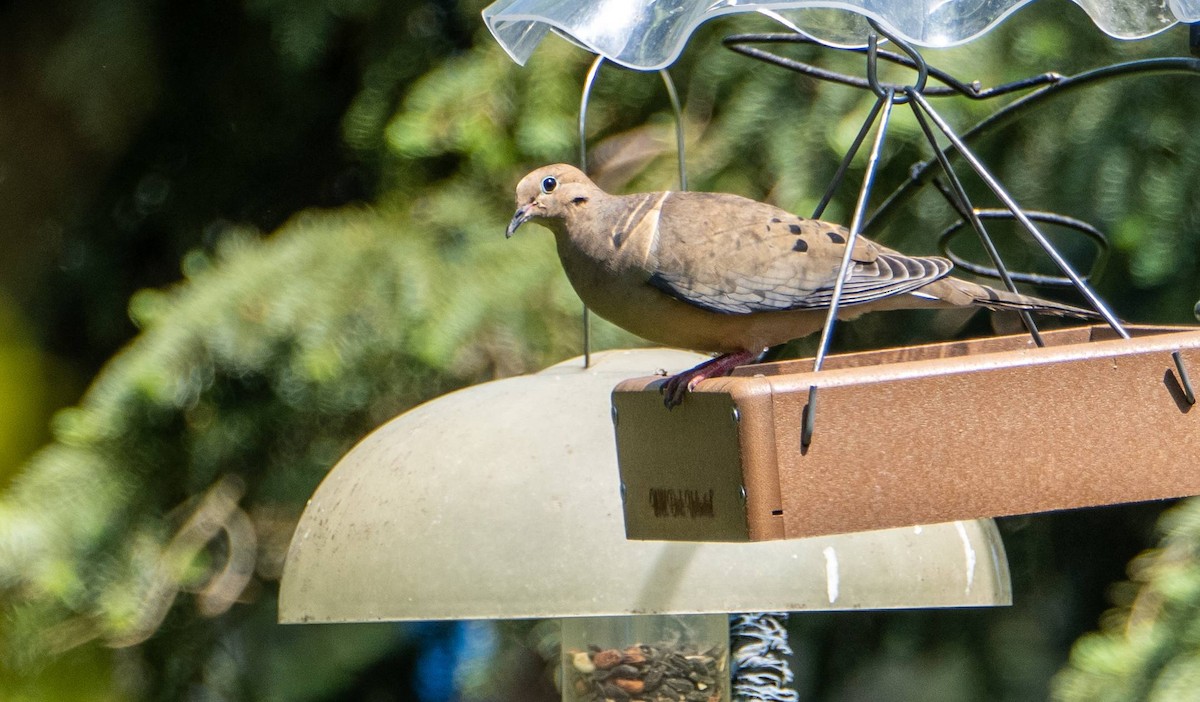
x=732 y=255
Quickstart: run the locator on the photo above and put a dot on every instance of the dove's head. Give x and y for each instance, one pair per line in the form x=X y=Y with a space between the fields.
x=551 y=193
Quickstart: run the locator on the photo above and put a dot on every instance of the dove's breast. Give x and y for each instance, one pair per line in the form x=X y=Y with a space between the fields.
x=609 y=257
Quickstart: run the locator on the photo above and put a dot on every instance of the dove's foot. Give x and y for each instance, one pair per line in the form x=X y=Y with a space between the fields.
x=679 y=385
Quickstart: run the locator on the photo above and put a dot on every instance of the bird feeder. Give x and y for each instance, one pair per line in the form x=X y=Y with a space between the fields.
x=503 y=500
x=956 y=430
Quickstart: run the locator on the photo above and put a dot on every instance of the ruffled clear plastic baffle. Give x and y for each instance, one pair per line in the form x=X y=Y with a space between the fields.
x=650 y=34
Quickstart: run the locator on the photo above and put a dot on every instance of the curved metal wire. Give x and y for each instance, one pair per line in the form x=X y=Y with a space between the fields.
x=1094 y=235
x=585 y=98
x=950 y=87
x=894 y=94
x=680 y=150
x=588 y=81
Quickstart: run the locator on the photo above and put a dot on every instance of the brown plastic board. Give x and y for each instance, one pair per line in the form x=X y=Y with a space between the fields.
x=912 y=436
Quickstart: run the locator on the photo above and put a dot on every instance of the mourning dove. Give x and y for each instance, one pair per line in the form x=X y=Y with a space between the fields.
x=722 y=273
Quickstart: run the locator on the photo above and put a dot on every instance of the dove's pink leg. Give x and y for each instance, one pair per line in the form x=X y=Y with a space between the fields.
x=679 y=385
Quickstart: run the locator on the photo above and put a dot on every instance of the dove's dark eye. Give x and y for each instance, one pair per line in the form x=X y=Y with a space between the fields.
x=549 y=183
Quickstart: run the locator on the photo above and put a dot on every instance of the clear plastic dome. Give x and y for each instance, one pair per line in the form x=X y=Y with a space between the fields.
x=650 y=34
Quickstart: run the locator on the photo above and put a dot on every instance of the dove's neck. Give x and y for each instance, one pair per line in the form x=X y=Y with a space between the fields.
x=608 y=250
x=618 y=234
x=610 y=243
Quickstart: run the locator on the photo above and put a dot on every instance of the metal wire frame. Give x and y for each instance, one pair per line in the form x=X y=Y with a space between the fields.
x=1045 y=85
x=916 y=95
x=585 y=98
x=922 y=109
x=1048 y=85
x=887 y=97
x=922 y=172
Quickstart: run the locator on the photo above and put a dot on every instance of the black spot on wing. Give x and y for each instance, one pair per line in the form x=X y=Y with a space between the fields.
x=775 y=220
x=801 y=245
x=794 y=228
x=835 y=237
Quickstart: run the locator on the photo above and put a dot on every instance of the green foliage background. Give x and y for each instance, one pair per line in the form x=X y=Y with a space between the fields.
x=266 y=227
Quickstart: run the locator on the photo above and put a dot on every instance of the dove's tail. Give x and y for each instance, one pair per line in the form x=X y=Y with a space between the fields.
x=962 y=293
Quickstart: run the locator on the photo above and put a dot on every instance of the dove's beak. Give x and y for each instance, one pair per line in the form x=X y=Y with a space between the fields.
x=523 y=215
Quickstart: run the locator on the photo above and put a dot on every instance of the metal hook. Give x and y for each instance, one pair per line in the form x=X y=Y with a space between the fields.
x=1184 y=380
x=840 y=174
x=873 y=65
